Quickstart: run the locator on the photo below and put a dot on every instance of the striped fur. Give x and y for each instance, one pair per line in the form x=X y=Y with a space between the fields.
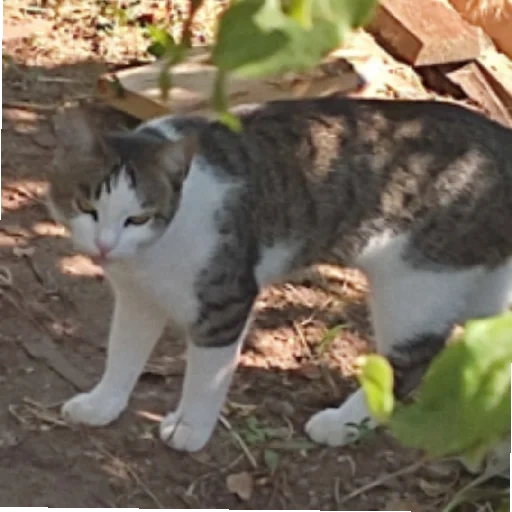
x=418 y=195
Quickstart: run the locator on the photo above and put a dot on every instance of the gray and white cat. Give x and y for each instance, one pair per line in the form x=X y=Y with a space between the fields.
x=191 y=220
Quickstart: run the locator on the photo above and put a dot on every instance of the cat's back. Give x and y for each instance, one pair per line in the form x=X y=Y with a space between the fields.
x=338 y=165
x=315 y=132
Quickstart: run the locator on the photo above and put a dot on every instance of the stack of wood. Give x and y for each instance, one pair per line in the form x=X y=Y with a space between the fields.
x=416 y=49
x=453 y=56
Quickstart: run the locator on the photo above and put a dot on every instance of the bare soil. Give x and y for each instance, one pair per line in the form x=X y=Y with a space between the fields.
x=54 y=315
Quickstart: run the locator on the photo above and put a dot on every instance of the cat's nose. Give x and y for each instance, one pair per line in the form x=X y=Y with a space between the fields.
x=103 y=247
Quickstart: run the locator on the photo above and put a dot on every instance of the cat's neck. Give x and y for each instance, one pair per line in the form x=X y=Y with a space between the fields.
x=190 y=232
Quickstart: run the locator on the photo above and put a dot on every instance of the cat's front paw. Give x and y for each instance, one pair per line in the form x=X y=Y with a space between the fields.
x=92 y=409
x=328 y=427
x=185 y=435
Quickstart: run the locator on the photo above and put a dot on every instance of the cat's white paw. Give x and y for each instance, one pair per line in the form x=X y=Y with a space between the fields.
x=328 y=427
x=92 y=409
x=183 y=435
x=341 y=426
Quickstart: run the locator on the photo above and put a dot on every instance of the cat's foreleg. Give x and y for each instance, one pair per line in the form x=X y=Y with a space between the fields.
x=135 y=328
x=208 y=376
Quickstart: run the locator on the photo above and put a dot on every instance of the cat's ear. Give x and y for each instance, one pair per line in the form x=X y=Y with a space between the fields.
x=175 y=157
x=132 y=146
x=76 y=135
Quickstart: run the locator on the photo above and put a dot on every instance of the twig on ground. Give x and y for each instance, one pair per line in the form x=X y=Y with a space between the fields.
x=337 y=495
x=303 y=340
x=287 y=493
x=39 y=405
x=58 y=80
x=130 y=471
x=28 y=105
x=37 y=411
x=46 y=281
x=351 y=463
x=43 y=348
x=460 y=495
x=379 y=481
x=13 y=410
x=47 y=417
x=227 y=425
x=43 y=107
x=225 y=469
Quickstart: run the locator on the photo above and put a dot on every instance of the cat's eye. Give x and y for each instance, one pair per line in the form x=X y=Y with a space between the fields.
x=85 y=206
x=138 y=220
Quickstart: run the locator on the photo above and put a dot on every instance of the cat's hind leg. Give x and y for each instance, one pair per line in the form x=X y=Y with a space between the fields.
x=135 y=328
x=413 y=311
x=493 y=293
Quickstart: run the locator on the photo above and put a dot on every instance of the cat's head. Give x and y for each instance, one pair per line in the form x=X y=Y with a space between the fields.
x=117 y=192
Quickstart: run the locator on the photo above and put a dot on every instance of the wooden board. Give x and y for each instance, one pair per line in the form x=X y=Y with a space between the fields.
x=425 y=32
x=497 y=68
x=476 y=85
x=494 y=16
x=385 y=76
x=136 y=90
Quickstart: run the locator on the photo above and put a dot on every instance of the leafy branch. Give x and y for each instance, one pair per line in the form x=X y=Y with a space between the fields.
x=463 y=403
x=258 y=38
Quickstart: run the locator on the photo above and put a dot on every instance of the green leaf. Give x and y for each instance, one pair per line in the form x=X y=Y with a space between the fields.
x=325 y=343
x=251 y=22
x=220 y=104
x=274 y=41
x=300 y=11
x=346 y=13
x=162 y=42
x=271 y=459
x=463 y=407
x=376 y=378
x=164 y=82
x=231 y=121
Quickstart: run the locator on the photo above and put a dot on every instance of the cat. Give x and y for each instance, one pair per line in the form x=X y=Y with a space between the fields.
x=191 y=220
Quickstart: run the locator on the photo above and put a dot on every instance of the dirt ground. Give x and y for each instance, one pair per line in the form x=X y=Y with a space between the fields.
x=55 y=308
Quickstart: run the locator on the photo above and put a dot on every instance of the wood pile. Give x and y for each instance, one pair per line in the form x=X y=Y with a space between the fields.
x=416 y=49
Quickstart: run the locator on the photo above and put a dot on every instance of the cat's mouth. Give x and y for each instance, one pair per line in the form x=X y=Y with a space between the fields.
x=99 y=260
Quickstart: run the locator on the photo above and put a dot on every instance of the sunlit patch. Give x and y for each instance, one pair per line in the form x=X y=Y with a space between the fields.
x=50 y=229
x=12 y=235
x=7 y=241
x=24 y=121
x=79 y=265
x=17 y=194
x=62 y=328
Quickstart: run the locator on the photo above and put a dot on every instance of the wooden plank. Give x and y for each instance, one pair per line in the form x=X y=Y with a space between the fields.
x=425 y=32
x=136 y=90
x=498 y=70
x=385 y=76
x=476 y=85
x=494 y=16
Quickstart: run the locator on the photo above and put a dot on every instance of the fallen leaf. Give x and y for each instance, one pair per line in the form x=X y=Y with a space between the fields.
x=240 y=484
x=240 y=409
x=434 y=489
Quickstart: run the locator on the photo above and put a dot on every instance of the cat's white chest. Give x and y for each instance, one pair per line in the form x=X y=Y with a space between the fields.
x=168 y=271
